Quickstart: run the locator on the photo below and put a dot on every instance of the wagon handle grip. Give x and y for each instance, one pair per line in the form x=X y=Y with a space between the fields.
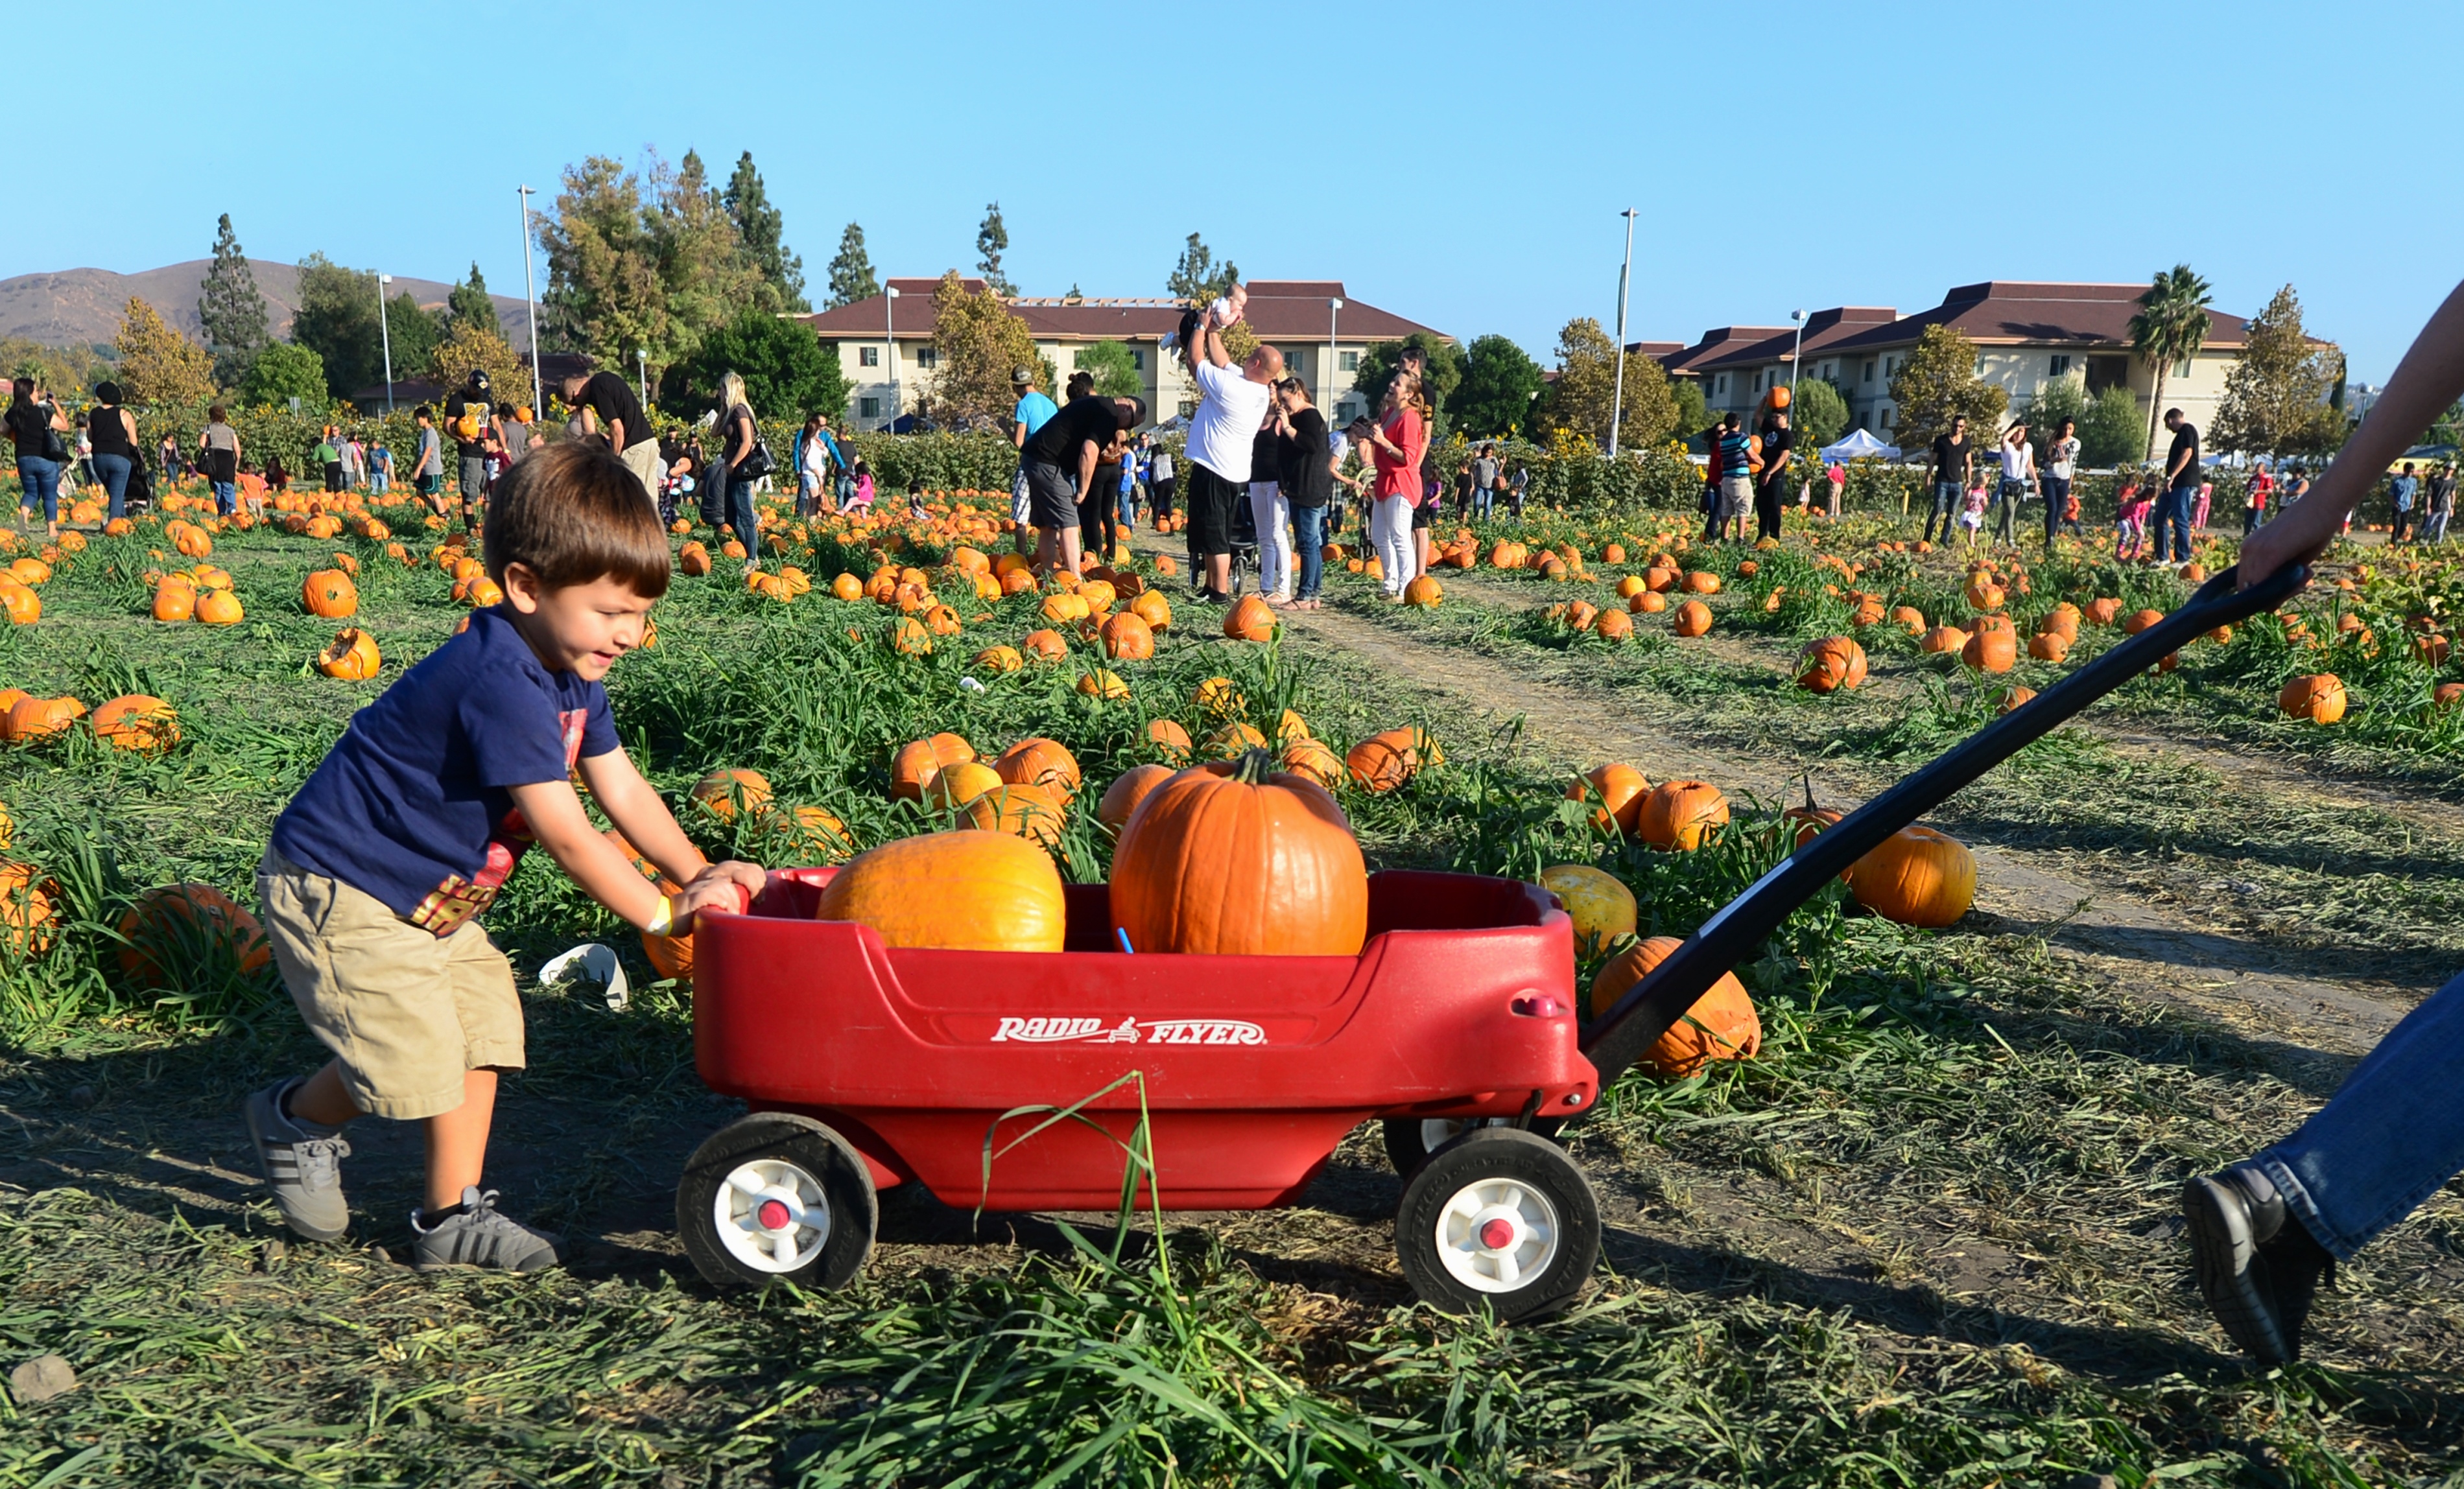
x=1654 y=1005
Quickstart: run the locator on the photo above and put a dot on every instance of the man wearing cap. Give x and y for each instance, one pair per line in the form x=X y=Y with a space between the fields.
x=468 y=413
x=1231 y=407
x=1031 y=415
x=1059 y=463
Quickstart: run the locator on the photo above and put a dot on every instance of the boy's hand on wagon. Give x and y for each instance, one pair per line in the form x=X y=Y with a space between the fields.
x=729 y=887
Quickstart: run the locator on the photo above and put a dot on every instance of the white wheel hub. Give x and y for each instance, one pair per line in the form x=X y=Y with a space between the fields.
x=1497 y=1235
x=772 y=1216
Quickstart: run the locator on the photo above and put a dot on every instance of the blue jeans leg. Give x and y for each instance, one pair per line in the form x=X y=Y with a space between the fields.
x=1308 y=537
x=226 y=498
x=739 y=516
x=1482 y=502
x=1946 y=501
x=41 y=479
x=2390 y=1137
x=111 y=472
x=2177 y=509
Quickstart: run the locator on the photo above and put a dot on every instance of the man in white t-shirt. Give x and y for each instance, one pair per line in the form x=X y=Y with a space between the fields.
x=1231 y=404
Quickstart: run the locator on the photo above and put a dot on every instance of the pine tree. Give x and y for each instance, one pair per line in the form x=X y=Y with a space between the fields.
x=471 y=305
x=852 y=276
x=232 y=309
x=990 y=239
x=1194 y=279
x=761 y=229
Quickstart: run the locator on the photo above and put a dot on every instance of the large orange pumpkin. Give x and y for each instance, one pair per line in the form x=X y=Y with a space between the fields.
x=1720 y=1025
x=40 y=718
x=1678 y=814
x=720 y=791
x=1126 y=637
x=219 y=607
x=1019 y=808
x=1384 y=761
x=1917 y=877
x=919 y=761
x=1250 y=619
x=1314 y=761
x=1693 y=619
x=137 y=722
x=1128 y=789
x=1040 y=763
x=353 y=655
x=1235 y=858
x=1169 y=737
x=2319 y=697
x=965 y=890
x=1620 y=789
x=180 y=926
x=1994 y=650
x=1832 y=663
x=330 y=593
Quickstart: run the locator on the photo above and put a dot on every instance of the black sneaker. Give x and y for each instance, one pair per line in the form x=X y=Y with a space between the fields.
x=2259 y=1265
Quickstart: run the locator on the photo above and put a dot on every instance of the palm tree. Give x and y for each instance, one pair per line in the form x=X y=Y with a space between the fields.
x=2171 y=326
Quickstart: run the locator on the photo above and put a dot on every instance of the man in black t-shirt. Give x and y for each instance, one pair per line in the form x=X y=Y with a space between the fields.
x=608 y=407
x=1771 y=491
x=1954 y=468
x=467 y=414
x=1304 y=467
x=2181 y=487
x=1061 y=459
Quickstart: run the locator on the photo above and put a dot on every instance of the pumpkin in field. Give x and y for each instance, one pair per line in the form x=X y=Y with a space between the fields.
x=1126 y=637
x=1384 y=761
x=137 y=722
x=40 y=718
x=1151 y=607
x=1169 y=738
x=2319 y=697
x=1021 y=809
x=2140 y=619
x=352 y=655
x=1044 y=645
x=173 y=602
x=1620 y=789
x=721 y=792
x=1702 y=582
x=1128 y=789
x=1422 y=593
x=1983 y=593
x=2446 y=695
x=1678 y=814
x=1040 y=763
x=330 y=594
x=29 y=912
x=1831 y=663
x=1217 y=698
x=693 y=560
x=2048 y=645
x=1917 y=877
x=846 y=587
x=1949 y=639
x=1720 y=1025
x=2101 y=611
x=969 y=889
x=1602 y=907
x=1250 y=619
x=918 y=761
x=1234 y=738
x=1235 y=858
x=2013 y=697
x=171 y=930
x=1648 y=602
x=1313 y=759
x=999 y=659
x=1909 y=618
x=956 y=784
x=1103 y=683
x=1612 y=625
x=219 y=607
x=1693 y=619
x=1991 y=650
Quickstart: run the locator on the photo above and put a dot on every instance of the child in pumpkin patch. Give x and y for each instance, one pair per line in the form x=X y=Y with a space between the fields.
x=2265 y=1230
x=378 y=871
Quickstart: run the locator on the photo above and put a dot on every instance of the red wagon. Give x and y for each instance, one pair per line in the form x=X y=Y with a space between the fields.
x=1456 y=1024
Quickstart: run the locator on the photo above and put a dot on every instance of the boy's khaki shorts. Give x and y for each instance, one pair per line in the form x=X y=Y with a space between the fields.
x=405 y=1013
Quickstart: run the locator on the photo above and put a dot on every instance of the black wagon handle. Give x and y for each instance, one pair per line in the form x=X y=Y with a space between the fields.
x=1653 y=1006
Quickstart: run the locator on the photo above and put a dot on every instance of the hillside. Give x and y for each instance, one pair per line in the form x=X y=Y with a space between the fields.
x=83 y=306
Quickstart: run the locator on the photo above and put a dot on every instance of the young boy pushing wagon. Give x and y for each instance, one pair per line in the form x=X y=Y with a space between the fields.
x=378 y=871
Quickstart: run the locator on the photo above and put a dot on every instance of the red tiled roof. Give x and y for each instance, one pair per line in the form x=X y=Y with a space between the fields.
x=2001 y=311
x=1718 y=341
x=1660 y=349
x=1823 y=330
x=1292 y=309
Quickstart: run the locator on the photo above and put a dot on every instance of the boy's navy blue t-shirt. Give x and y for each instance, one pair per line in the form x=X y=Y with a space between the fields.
x=412 y=806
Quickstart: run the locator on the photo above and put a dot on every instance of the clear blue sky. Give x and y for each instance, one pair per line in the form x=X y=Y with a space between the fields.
x=1460 y=164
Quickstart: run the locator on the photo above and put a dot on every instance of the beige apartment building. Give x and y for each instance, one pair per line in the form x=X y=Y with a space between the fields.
x=885 y=343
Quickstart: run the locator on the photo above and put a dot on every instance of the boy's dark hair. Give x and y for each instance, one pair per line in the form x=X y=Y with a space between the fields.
x=917 y=488
x=1730 y=421
x=571 y=514
x=423 y=411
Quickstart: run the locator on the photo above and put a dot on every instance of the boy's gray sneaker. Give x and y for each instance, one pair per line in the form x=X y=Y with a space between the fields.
x=303 y=1164
x=480 y=1236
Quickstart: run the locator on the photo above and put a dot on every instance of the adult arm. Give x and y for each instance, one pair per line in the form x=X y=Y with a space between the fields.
x=1018 y=434
x=1085 y=469
x=741 y=428
x=2174 y=470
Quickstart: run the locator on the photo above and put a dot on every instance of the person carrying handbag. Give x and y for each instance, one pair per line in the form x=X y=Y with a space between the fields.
x=744 y=460
x=36 y=425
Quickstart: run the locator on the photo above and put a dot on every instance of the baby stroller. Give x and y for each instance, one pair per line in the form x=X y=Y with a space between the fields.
x=1244 y=545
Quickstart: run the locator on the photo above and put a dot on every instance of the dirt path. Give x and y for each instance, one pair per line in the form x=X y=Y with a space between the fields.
x=2133 y=944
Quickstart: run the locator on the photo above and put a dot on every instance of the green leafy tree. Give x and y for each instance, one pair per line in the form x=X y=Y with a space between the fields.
x=2109 y=431
x=414 y=333
x=282 y=371
x=2171 y=326
x=231 y=308
x=470 y=304
x=464 y=347
x=1116 y=369
x=1585 y=394
x=992 y=238
x=787 y=372
x=1382 y=360
x=1499 y=382
x=978 y=341
x=762 y=231
x=1817 y=413
x=1939 y=384
x=645 y=262
x=64 y=368
x=157 y=364
x=337 y=320
x=1194 y=279
x=851 y=277
x=2276 y=395
x=1693 y=409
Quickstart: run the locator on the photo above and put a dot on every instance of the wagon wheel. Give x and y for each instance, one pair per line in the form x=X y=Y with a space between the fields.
x=777 y=1195
x=1410 y=1140
x=1498 y=1217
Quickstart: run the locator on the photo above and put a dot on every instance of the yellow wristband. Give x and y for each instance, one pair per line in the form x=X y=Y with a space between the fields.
x=665 y=920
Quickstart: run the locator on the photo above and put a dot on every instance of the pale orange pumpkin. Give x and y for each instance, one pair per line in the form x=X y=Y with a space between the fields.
x=139 y=722
x=1679 y=813
x=1235 y=858
x=969 y=889
x=1042 y=762
x=1620 y=789
x=1917 y=877
x=721 y=791
x=1128 y=789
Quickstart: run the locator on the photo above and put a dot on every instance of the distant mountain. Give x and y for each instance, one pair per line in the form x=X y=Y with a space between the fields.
x=83 y=306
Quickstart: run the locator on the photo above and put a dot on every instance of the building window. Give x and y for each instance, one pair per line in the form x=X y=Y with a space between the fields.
x=1869 y=370
x=927 y=357
x=2182 y=368
x=1348 y=361
x=1758 y=382
x=1720 y=386
x=1137 y=359
x=867 y=356
x=867 y=407
x=1980 y=364
x=1296 y=361
x=2061 y=366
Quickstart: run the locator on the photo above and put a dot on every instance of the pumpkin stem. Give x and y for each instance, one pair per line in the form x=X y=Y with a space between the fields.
x=1254 y=767
x=1809 y=791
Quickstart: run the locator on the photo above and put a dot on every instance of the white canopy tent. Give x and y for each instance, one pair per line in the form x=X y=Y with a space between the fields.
x=1858 y=445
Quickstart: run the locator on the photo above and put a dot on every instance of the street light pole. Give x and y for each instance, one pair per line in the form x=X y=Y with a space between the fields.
x=1617 y=405
x=1794 y=360
x=384 y=329
x=642 y=364
x=530 y=298
x=889 y=347
x=1326 y=380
